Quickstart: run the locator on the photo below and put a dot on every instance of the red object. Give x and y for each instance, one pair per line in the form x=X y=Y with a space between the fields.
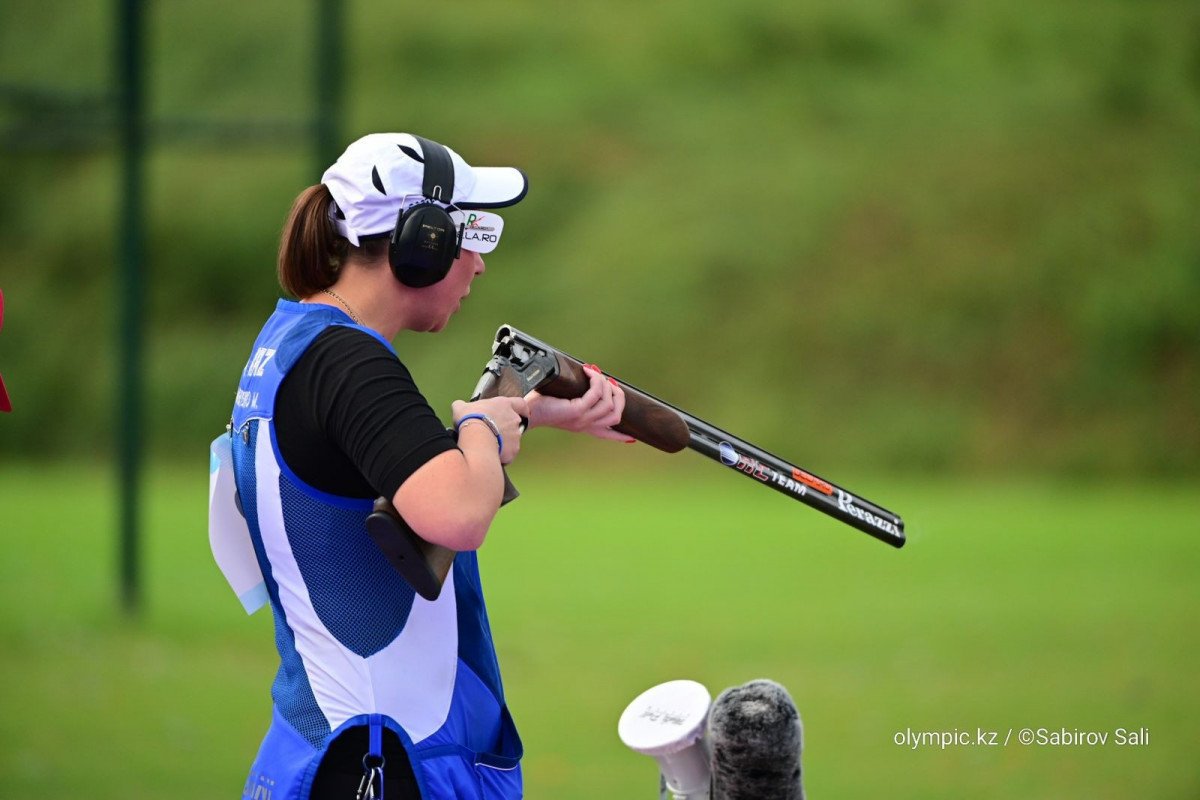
x=5 y=403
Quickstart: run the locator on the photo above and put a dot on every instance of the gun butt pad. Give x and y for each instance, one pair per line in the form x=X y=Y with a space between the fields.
x=424 y=565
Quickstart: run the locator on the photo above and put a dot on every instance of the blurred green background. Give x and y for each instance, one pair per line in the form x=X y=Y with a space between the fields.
x=947 y=254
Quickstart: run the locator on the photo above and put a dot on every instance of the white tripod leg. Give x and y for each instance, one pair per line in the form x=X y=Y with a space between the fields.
x=667 y=723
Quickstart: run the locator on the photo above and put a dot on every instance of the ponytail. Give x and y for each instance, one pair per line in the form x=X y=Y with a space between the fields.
x=310 y=251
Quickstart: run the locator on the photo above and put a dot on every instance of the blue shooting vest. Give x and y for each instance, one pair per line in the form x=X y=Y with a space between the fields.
x=356 y=645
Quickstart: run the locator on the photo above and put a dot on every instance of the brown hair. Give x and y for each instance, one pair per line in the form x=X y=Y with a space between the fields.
x=311 y=252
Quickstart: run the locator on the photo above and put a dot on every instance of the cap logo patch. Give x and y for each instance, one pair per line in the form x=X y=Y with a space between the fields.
x=481 y=229
x=476 y=223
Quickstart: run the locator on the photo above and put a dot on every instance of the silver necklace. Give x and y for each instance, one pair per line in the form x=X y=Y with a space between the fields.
x=341 y=300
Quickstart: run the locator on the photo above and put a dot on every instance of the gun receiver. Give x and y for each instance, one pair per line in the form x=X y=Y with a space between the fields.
x=517 y=356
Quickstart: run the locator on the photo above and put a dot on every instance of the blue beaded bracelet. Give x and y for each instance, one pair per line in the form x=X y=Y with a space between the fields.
x=486 y=420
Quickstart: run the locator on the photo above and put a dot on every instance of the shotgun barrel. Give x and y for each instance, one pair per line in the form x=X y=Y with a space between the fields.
x=671 y=429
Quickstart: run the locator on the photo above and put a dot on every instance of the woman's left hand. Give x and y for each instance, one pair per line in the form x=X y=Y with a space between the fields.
x=595 y=412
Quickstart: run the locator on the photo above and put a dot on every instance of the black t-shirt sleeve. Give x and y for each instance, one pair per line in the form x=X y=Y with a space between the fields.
x=350 y=420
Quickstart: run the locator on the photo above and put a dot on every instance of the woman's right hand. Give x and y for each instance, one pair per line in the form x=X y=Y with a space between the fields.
x=506 y=412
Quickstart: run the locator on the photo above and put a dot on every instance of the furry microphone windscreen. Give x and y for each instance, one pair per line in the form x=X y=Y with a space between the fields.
x=755 y=735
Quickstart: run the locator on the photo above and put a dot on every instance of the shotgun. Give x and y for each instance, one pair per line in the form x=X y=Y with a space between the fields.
x=520 y=363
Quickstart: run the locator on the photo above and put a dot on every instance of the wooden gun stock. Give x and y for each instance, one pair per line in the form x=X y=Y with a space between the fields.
x=644 y=418
x=423 y=564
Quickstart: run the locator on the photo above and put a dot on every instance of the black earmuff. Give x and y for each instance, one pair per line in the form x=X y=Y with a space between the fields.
x=426 y=241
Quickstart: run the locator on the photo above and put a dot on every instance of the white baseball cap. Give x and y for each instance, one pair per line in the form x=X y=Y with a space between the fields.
x=382 y=173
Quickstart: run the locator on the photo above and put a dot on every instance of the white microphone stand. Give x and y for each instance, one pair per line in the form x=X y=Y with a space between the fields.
x=667 y=723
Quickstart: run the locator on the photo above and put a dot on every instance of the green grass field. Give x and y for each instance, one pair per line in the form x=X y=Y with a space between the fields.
x=1023 y=604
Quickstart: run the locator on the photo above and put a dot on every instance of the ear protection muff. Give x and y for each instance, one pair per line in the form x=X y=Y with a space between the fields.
x=426 y=241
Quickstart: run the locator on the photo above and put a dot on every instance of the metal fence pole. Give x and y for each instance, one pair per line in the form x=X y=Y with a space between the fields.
x=329 y=68
x=131 y=127
x=130 y=253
